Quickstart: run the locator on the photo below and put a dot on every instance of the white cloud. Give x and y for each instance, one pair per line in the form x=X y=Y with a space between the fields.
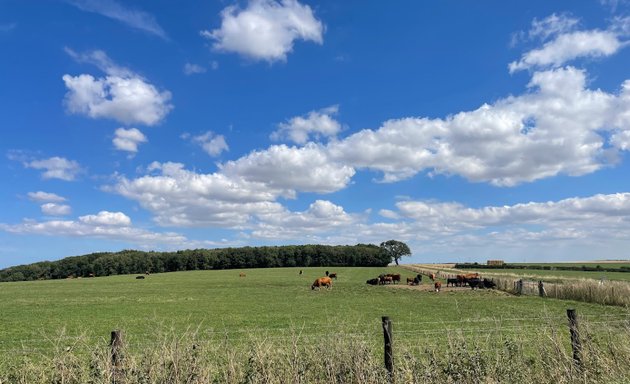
x=569 y=47
x=191 y=69
x=128 y=139
x=316 y=123
x=121 y=95
x=322 y=218
x=96 y=229
x=54 y=209
x=517 y=139
x=306 y=169
x=56 y=168
x=552 y=26
x=107 y=218
x=133 y=18
x=266 y=29
x=212 y=144
x=569 y=44
x=42 y=197
x=178 y=197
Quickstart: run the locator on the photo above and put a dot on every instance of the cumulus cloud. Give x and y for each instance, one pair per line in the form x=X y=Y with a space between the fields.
x=514 y=140
x=191 y=69
x=128 y=139
x=321 y=219
x=42 y=197
x=212 y=144
x=121 y=95
x=307 y=169
x=178 y=197
x=56 y=168
x=133 y=18
x=54 y=209
x=569 y=44
x=266 y=29
x=316 y=123
x=107 y=218
x=105 y=225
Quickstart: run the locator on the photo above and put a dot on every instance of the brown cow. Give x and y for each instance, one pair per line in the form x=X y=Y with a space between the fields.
x=437 y=286
x=432 y=276
x=242 y=274
x=410 y=281
x=322 y=282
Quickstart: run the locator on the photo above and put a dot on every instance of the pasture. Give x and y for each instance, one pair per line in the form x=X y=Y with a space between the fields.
x=42 y=317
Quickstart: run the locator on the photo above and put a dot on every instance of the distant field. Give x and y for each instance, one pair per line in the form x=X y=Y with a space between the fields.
x=602 y=263
x=269 y=302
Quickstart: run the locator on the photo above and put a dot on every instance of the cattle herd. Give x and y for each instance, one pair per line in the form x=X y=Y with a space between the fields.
x=472 y=280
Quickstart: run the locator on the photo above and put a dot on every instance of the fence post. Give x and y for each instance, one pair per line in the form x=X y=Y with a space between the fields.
x=389 y=357
x=576 y=345
x=116 y=345
x=541 y=289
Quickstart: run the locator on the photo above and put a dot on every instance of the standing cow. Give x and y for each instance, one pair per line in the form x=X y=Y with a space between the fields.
x=322 y=282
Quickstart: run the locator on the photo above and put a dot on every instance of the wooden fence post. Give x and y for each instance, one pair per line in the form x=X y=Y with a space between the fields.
x=116 y=345
x=576 y=345
x=389 y=357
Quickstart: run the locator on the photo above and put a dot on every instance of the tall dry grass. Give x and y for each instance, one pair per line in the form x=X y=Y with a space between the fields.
x=586 y=290
x=457 y=357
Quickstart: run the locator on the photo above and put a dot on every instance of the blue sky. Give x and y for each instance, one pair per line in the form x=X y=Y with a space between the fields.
x=469 y=130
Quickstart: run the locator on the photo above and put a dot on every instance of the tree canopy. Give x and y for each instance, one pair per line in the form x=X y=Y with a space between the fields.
x=132 y=261
x=395 y=249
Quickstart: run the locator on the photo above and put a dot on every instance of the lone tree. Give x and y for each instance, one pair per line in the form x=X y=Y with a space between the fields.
x=395 y=249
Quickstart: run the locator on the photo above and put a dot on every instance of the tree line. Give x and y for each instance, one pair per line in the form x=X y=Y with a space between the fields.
x=134 y=261
x=597 y=268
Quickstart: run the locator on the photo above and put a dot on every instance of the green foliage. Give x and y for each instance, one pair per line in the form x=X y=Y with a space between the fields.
x=395 y=249
x=132 y=261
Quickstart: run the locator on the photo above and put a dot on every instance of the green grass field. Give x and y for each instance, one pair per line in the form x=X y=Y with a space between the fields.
x=37 y=315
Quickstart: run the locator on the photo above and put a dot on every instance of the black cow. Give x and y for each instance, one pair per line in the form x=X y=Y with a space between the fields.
x=139 y=277
x=487 y=283
x=451 y=281
x=475 y=283
x=373 y=281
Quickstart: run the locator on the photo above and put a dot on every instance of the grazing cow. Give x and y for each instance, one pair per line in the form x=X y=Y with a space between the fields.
x=242 y=274
x=333 y=276
x=395 y=277
x=322 y=282
x=437 y=286
x=140 y=277
x=475 y=283
x=374 y=281
x=387 y=280
x=432 y=276
x=487 y=283
x=452 y=282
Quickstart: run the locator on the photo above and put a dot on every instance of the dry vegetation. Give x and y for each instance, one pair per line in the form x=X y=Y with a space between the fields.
x=338 y=358
x=586 y=290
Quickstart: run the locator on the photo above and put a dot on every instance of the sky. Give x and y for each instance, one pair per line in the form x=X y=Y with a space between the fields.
x=469 y=130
